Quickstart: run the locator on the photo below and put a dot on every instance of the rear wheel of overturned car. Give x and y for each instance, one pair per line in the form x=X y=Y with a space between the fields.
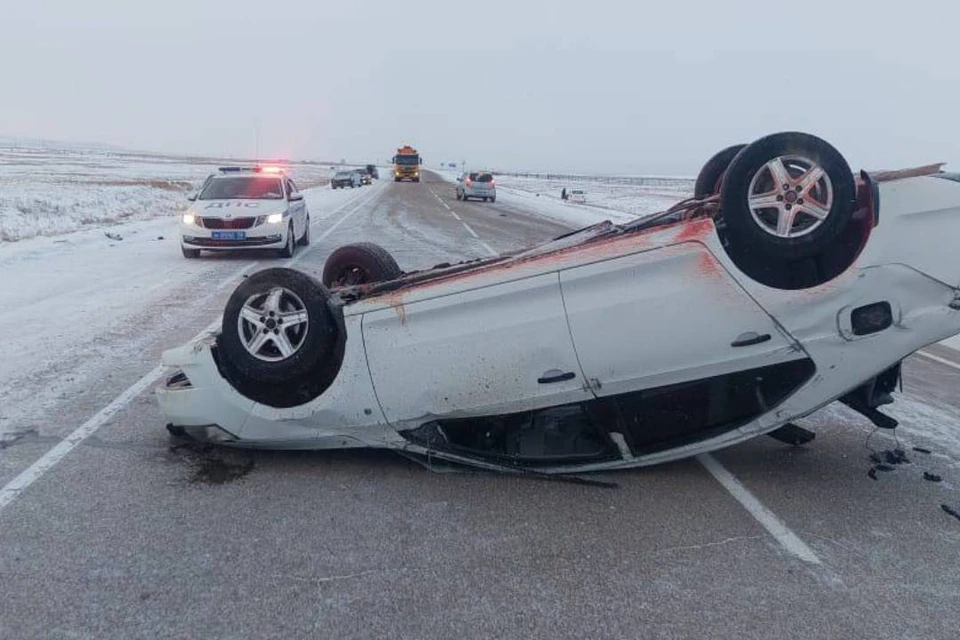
x=278 y=325
x=359 y=263
x=787 y=196
x=711 y=175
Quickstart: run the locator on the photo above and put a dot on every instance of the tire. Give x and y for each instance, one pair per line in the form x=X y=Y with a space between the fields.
x=485 y=199
x=711 y=175
x=459 y=197
x=312 y=344
x=493 y=199
x=360 y=263
x=396 y=179
x=305 y=240
x=759 y=230
x=291 y=247
x=189 y=253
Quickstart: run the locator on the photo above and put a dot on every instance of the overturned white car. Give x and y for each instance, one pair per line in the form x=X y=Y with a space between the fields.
x=787 y=283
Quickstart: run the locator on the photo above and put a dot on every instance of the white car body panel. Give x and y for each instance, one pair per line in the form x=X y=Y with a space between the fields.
x=644 y=309
x=638 y=320
x=416 y=349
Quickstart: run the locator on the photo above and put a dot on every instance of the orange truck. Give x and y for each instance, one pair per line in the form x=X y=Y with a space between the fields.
x=406 y=164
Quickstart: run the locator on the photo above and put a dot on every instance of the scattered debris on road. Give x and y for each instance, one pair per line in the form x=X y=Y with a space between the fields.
x=921 y=450
x=113 y=236
x=931 y=477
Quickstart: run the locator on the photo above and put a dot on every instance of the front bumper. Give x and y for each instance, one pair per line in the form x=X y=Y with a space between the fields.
x=264 y=235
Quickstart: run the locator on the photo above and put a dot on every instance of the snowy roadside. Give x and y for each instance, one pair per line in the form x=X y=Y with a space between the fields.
x=94 y=302
x=50 y=191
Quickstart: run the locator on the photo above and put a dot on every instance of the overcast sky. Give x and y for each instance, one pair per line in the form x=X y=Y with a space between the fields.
x=615 y=87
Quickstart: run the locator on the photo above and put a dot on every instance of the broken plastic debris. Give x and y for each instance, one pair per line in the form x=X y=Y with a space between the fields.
x=952 y=512
x=113 y=236
x=932 y=477
x=872 y=473
x=921 y=450
x=896 y=456
x=883 y=467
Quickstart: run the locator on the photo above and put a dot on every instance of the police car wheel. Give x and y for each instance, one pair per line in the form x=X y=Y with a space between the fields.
x=291 y=246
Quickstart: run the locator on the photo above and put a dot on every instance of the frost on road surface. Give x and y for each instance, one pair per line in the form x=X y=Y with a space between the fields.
x=79 y=306
x=618 y=199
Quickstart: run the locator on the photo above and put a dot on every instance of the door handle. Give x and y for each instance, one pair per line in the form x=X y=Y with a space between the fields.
x=555 y=375
x=750 y=338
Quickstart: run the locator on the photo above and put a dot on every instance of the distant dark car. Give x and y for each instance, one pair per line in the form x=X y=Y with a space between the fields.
x=364 y=176
x=372 y=170
x=345 y=179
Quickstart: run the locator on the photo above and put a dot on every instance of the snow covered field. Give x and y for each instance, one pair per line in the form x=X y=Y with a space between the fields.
x=52 y=190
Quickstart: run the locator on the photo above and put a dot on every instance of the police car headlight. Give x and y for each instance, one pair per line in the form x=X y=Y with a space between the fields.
x=189 y=218
x=275 y=218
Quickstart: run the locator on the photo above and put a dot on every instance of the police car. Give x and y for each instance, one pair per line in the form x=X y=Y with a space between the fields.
x=243 y=208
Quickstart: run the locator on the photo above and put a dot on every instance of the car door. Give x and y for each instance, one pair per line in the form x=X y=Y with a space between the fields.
x=487 y=351
x=665 y=316
x=678 y=347
x=297 y=209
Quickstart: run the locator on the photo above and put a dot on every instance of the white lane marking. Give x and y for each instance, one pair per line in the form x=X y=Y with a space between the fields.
x=470 y=230
x=936 y=358
x=47 y=461
x=767 y=519
x=27 y=477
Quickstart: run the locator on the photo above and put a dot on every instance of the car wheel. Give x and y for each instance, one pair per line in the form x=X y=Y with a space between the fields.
x=787 y=195
x=189 y=253
x=359 y=263
x=278 y=325
x=305 y=240
x=291 y=246
x=493 y=199
x=459 y=197
x=711 y=175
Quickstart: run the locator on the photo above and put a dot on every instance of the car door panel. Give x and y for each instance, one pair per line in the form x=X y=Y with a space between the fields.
x=666 y=316
x=493 y=350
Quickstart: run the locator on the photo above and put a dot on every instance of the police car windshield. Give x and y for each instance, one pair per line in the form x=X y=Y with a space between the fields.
x=243 y=188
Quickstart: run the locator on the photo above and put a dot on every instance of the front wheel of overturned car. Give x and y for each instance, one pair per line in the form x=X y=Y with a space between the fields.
x=189 y=253
x=788 y=195
x=359 y=263
x=711 y=175
x=278 y=325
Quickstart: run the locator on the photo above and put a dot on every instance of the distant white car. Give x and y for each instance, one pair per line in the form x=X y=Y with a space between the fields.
x=480 y=185
x=244 y=208
x=791 y=283
x=578 y=196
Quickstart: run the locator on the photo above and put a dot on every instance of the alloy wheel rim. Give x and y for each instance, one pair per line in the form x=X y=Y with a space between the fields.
x=790 y=196
x=273 y=325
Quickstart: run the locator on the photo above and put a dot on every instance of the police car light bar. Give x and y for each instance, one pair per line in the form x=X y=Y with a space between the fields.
x=258 y=169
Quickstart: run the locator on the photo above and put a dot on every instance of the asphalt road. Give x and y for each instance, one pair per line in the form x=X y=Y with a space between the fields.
x=133 y=536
